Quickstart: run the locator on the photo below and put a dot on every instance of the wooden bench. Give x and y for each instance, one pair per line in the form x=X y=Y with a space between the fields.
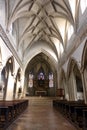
x=3 y=117
x=84 y=119
x=73 y=111
x=10 y=110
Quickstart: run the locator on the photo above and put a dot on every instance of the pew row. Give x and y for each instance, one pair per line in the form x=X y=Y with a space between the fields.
x=10 y=110
x=74 y=111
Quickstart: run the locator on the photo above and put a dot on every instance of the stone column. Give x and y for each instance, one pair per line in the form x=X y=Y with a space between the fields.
x=66 y=89
x=72 y=87
x=84 y=81
x=10 y=87
x=1 y=83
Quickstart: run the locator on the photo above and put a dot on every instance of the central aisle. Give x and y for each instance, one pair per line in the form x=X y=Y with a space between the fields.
x=41 y=118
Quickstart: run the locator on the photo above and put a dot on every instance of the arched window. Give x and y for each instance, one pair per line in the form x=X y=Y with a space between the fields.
x=31 y=80
x=50 y=80
x=41 y=76
x=41 y=79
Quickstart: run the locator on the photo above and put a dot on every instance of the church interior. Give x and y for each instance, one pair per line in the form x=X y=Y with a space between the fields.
x=43 y=64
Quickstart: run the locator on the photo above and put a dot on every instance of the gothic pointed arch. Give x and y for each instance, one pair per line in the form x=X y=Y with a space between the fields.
x=40 y=67
x=0 y=56
x=19 y=74
x=84 y=69
x=62 y=83
x=17 y=84
x=62 y=75
x=84 y=57
x=75 y=79
x=10 y=65
x=7 y=69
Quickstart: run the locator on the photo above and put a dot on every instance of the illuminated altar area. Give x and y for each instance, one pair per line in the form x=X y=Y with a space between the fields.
x=41 y=84
x=40 y=79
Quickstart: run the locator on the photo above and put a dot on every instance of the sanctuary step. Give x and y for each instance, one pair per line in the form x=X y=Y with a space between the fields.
x=39 y=101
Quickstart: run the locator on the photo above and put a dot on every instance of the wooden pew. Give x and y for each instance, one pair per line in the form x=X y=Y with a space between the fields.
x=10 y=110
x=84 y=120
x=3 y=117
x=73 y=111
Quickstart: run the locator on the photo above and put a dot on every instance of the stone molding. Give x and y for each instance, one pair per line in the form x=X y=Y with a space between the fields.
x=9 y=45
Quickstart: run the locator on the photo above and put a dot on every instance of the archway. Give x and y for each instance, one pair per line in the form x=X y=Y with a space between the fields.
x=1 y=82
x=7 y=78
x=84 y=70
x=75 y=85
x=79 y=85
x=17 y=85
x=0 y=56
x=63 y=85
x=40 y=77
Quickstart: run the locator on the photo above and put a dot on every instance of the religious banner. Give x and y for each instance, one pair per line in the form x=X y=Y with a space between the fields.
x=50 y=80
x=30 y=80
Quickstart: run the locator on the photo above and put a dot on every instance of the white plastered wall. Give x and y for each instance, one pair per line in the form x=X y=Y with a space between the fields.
x=37 y=48
x=77 y=55
x=2 y=12
x=5 y=55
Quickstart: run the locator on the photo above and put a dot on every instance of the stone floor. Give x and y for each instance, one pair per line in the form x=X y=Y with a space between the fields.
x=41 y=118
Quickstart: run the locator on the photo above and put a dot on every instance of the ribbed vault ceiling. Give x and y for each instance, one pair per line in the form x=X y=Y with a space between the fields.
x=40 y=59
x=41 y=20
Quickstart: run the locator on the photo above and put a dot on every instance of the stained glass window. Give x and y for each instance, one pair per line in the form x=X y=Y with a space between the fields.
x=41 y=76
x=30 y=80
x=50 y=80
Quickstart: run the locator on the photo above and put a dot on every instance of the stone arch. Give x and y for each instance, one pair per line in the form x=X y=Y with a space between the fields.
x=0 y=56
x=8 y=70
x=84 y=70
x=62 y=83
x=1 y=81
x=70 y=66
x=62 y=76
x=38 y=63
x=0 y=65
x=19 y=74
x=84 y=57
x=53 y=61
x=10 y=65
x=74 y=78
x=17 y=84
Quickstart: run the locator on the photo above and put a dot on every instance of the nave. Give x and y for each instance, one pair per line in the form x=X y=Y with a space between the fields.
x=43 y=52
x=41 y=117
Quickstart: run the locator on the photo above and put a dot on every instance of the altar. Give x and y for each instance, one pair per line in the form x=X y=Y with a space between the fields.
x=40 y=93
